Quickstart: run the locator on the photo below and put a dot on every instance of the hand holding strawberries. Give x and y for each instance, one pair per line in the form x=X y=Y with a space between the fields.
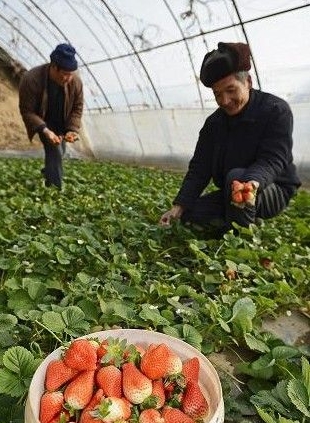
x=243 y=193
x=71 y=136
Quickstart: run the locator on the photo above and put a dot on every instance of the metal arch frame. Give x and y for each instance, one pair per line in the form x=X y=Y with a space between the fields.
x=247 y=40
x=22 y=18
x=114 y=69
x=134 y=62
x=135 y=52
x=188 y=51
x=85 y=64
x=22 y=35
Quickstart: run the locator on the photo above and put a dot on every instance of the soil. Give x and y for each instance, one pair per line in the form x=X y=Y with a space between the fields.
x=13 y=135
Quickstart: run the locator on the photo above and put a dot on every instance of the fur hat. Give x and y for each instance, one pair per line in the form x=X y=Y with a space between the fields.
x=63 y=56
x=227 y=59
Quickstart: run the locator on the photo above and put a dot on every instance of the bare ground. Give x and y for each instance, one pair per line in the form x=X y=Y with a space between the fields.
x=13 y=135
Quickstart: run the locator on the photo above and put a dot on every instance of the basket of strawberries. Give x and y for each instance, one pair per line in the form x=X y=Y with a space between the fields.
x=125 y=375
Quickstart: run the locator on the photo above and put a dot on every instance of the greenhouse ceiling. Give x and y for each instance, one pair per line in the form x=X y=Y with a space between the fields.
x=146 y=54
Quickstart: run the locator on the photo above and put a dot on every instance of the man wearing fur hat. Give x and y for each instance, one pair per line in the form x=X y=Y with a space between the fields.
x=51 y=104
x=247 y=140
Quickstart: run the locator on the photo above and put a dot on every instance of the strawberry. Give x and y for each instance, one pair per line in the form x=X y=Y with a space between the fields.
x=62 y=417
x=109 y=378
x=248 y=187
x=81 y=355
x=237 y=197
x=237 y=186
x=112 y=409
x=159 y=393
x=51 y=404
x=86 y=416
x=174 y=364
x=154 y=363
x=174 y=415
x=57 y=374
x=151 y=416
x=248 y=197
x=80 y=390
x=194 y=403
x=136 y=386
x=190 y=369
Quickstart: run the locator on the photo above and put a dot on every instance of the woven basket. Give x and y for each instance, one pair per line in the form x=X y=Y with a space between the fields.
x=208 y=377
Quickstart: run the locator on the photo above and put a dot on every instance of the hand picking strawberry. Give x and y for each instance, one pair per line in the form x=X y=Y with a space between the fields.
x=111 y=381
x=243 y=193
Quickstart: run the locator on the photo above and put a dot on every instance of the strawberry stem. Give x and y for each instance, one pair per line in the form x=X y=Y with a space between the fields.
x=52 y=333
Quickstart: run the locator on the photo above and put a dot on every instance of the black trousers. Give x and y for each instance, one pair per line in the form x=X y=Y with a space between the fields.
x=215 y=208
x=53 y=169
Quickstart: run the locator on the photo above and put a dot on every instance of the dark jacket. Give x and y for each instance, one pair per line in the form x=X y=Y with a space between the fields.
x=259 y=139
x=33 y=100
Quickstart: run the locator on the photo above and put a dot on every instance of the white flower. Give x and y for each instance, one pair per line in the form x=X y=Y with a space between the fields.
x=288 y=313
x=80 y=241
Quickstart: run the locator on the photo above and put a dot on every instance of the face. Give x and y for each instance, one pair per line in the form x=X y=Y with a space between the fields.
x=231 y=94
x=60 y=76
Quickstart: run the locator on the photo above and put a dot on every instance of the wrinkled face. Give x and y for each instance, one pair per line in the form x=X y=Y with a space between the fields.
x=231 y=94
x=60 y=76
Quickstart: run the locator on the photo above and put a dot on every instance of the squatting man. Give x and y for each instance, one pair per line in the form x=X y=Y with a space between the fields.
x=248 y=139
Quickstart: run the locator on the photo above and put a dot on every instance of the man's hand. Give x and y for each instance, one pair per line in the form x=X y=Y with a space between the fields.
x=244 y=193
x=51 y=136
x=71 y=136
x=173 y=214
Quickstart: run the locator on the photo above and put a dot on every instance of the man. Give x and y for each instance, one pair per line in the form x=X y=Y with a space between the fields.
x=51 y=104
x=247 y=139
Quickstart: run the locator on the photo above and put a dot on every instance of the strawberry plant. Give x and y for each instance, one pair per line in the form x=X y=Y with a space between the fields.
x=93 y=257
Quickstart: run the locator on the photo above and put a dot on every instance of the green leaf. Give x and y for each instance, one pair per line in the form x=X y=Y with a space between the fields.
x=62 y=256
x=284 y=352
x=298 y=394
x=7 y=322
x=75 y=322
x=265 y=416
x=11 y=384
x=53 y=321
x=192 y=336
x=255 y=344
x=19 y=360
x=244 y=311
x=305 y=366
x=150 y=313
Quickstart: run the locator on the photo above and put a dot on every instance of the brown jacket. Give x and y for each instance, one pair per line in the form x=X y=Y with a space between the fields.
x=33 y=100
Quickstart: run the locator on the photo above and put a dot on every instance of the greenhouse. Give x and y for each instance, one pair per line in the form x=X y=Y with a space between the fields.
x=99 y=261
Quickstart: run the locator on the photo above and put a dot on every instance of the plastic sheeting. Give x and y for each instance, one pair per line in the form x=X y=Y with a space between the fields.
x=140 y=62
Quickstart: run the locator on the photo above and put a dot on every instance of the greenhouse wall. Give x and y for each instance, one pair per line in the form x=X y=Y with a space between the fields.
x=167 y=138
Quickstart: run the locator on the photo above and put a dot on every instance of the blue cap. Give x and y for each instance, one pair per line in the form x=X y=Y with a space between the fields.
x=63 y=56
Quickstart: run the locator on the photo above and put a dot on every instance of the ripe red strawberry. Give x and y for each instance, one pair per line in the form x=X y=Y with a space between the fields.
x=80 y=390
x=151 y=416
x=62 y=417
x=86 y=416
x=109 y=378
x=174 y=363
x=174 y=415
x=237 y=186
x=102 y=349
x=51 y=404
x=136 y=386
x=113 y=409
x=248 y=187
x=237 y=197
x=81 y=355
x=194 y=403
x=154 y=363
x=190 y=369
x=248 y=197
x=57 y=374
